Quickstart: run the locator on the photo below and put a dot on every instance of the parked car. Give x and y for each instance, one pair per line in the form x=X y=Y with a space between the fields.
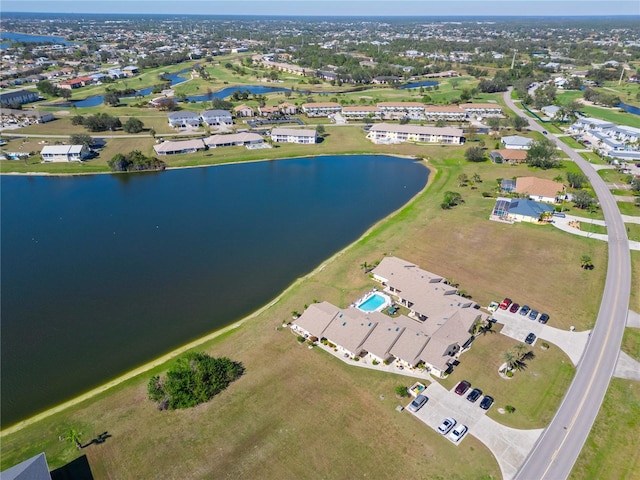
x=559 y=215
x=544 y=132
x=475 y=394
x=446 y=425
x=505 y=303
x=544 y=318
x=486 y=402
x=524 y=310
x=457 y=433
x=530 y=338
x=533 y=314
x=418 y=403
x=462 y=387
x=514 y=308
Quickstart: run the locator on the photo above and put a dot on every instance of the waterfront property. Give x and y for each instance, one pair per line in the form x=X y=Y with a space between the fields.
x=394 y=133
x=243 y=111
x=293 y=135
x=64 y=153
x=233 y=140
x=182 y=146
x=512 y=210
x=436 y=331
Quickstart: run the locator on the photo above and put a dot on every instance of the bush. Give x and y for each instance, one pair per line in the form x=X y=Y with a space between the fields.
x=300 y=338
x=194 y=379
x=401 y=391
x=510 y=408
x=509 y=373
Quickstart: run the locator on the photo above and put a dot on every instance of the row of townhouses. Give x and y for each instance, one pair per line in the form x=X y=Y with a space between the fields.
x=615 y=141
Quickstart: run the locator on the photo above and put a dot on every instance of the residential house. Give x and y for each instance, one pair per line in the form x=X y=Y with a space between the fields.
x=64 y=153
x=34 y=468
x=482 y=109
x=293 y=135
x=508 y=156
x=540 y=189
x=243 y=111
x=394 y=133
x=71 y=84
x=216 y=117
x=267 y=111
x=18 y=97
x=234 y=139
x=176 y=147
x=130 y=70
x=551 y=111
x=397 y=110
x=321 y=109
x=516 y=142
x=288 y=108
x=448 y=113
x=361 y=112
x=519 y=210
x=183 y=119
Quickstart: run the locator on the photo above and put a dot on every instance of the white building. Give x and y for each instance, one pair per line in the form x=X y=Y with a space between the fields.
x=293 y=135
x=394 y=133
x=64 y=153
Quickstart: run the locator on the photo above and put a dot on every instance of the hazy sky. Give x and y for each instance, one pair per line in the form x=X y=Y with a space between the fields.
x=333 y=7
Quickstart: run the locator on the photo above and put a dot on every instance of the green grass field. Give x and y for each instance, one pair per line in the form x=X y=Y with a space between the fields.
x=629 y=208
x=572 y=143
x=592 y=228
x=611 y=450
x=631 y=342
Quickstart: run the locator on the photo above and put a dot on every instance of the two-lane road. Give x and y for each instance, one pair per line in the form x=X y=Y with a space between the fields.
x=557 y=449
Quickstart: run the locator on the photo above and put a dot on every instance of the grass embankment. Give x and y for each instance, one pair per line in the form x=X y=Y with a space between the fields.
x=631 y=342
x=634 y=301
x=572 y=143
x=301 y=413
x=611 y=450
x=629 y=208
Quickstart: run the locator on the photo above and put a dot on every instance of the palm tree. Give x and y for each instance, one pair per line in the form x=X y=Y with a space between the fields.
x=520 y=350
x=510 y=359
x=74 y=436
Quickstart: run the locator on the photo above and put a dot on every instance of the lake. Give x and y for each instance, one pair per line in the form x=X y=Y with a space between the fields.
x=23 y=37
x=103 y=273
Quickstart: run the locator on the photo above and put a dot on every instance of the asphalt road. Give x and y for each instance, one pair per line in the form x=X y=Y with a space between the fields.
x=557 y=449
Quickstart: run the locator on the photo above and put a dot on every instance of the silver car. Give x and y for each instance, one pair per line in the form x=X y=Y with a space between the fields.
x=418 y=403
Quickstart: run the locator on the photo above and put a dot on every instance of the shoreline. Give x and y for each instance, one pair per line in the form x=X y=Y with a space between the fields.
x=168 y=169
x=210 y=336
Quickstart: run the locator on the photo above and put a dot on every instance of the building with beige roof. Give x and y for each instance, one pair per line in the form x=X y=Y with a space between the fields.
x=505 y=155
x=321 y=109
x=349 y=330
x=449 y=113
x=176 y=147
x=540 y=189
x=408 y=348
x=482 y=109
x=233 y=140
x=394 y=133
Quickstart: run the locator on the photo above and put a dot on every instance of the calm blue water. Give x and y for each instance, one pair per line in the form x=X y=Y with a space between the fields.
x=418 y=84
x=630 y=108
x=372 y=303
x=23 y=37
x=96 y=100
x=102 y=273
x=226 y=92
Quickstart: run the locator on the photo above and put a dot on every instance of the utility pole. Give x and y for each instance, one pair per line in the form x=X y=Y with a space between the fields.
x=513 y=60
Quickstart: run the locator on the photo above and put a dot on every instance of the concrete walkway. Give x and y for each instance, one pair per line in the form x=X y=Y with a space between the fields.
x=518 y=327
x=510 y=446
x=563 y=224
x=627 y=367
x=624 y=198
x=633 y=319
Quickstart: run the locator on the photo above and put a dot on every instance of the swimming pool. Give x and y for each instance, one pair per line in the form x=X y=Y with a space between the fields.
x=374 y=302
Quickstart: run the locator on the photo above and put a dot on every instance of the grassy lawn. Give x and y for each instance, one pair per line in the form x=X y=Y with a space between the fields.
x=301 y=413
x=633 y=231
x=535 y=392
x=593 y=158
x=629 y=208
x=617 y=116
x=572 y=143
x=611 y=450
x=592 y=228
x=631 y=342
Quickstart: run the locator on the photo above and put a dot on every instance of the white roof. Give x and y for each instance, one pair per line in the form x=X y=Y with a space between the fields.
x=233 y=138
x=416 y=129
x=293 y=132
x=61 y=149
x=165 y=147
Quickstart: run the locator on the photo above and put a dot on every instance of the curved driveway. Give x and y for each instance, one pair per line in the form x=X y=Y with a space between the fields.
x=557 y=449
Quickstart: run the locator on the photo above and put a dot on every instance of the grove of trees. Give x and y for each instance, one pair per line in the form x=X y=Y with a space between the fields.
x=135 y=161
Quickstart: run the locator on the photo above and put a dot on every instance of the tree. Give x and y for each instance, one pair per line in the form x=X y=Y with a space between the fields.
x=476 y=178
x=494 y=123
x=463 y=179
x=472 y=131
x=320 y=130
x=65 y=93
x=401 y=391
x=135 y=161
x=576 y=179
x=81 y=139
x=585 y=262
x=133 y=125
x=111 y=98
x=582 y=199
x=543 y=154
x=519 y=122
x=74 y=436
x=475 y=154
x=510 y=359
x=101 y=122
x=194 y=379
x=451 y=199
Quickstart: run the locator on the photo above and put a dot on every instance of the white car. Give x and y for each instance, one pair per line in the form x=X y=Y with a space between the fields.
x=446 y=425
x=457 y=433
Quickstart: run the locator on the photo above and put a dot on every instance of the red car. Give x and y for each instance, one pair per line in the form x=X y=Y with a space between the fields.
x=514 y=308
x=462 y=387
x=505 y=303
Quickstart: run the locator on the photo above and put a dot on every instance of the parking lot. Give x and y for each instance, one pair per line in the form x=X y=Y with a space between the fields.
x=518 y=327
x=510 y=446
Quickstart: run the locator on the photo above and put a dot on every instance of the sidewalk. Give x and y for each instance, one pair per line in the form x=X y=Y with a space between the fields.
x=563 y=224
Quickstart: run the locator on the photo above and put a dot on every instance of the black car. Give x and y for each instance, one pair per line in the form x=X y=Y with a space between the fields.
x=486 y=402
x=544 y=318
x=475 y=394
x=530 y=339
